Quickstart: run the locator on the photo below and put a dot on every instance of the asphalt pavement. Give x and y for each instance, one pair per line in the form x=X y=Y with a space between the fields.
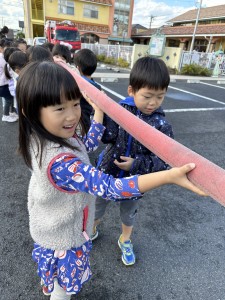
x=179 y=238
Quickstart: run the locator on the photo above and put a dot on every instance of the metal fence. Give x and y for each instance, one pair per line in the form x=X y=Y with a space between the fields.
x=115 y=51
x=205 y=60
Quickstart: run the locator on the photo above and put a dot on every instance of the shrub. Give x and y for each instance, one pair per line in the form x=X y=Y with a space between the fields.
x=101 y=57
x=20 y=35
x=110 y=60
x=172 y=70
x=113 y=61
x=122 y=63
x=195 y=70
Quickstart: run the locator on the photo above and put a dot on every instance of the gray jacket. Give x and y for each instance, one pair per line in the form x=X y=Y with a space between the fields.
x=57 y=217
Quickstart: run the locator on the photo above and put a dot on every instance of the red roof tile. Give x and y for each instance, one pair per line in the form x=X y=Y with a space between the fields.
x=205 y=13
x=210 y=29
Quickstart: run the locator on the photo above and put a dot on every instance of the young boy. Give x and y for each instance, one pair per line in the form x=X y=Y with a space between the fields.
x=125 y=156
x=86 y=62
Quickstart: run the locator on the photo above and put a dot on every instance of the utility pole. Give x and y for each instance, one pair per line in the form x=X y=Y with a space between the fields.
x=151 y=19
x=196 y=25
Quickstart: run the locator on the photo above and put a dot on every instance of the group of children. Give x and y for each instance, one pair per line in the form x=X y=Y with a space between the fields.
x=12 y=63
x=63 y=215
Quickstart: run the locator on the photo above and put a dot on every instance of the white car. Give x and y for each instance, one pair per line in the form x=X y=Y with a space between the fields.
x=39 y=40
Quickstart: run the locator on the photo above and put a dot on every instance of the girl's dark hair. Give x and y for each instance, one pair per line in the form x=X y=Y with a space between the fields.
x=4 y=42
x=63 y=51
x=7 y=54
x=48 y=46
x=17 y=60
x=86 y=60
x=4 y=31
x=19 y=41
x=149 y=72
x=38 y=53
x=41 y=84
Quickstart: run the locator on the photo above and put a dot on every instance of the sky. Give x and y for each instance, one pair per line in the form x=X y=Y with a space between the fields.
x=158 y=11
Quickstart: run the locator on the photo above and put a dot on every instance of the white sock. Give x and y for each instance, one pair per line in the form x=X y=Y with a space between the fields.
x=59 y=293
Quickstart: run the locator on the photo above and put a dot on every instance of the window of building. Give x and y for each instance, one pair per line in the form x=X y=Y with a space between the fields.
x=90 y=11
x=66 y=7
x=89 y=38
x=121 y=18
x=173 y=43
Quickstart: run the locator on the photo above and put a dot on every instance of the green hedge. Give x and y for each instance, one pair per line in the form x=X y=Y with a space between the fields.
x=195 y=70
x=112 y=61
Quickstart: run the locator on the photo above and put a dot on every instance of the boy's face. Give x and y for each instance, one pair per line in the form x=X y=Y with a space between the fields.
x=147 y=100
x=22 y=47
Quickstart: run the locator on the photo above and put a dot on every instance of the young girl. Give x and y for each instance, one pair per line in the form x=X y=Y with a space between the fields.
x=4 y=88
x=63 y=185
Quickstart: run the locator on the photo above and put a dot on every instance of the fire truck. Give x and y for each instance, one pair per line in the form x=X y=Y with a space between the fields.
x=64 y=31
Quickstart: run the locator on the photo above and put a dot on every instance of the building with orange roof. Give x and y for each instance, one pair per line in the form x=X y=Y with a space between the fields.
x=209 y=36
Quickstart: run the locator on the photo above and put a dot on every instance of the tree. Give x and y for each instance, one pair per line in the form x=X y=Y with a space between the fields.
x=20 y=35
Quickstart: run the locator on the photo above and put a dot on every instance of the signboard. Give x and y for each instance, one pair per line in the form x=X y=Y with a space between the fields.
x=21 y=24
x=157 y=44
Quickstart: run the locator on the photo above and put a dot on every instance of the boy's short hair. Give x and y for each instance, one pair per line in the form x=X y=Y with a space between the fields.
x=86 y=60
x=19 y=41
x=149 y=72
x=63 y=51
x=17 y=60
x=38 y=53
x=48 y=46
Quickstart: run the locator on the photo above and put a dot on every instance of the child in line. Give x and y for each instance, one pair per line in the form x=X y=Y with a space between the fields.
x=48 y=45
x=86 y=62
x=4 y=88
x=62 y=51
x=124 y=155
x=20 y=44
x=38 y=53
x=17 y=61
x=63 y=184
x=10 y=76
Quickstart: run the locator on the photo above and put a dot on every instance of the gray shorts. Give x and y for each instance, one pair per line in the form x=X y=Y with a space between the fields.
x=128 y=210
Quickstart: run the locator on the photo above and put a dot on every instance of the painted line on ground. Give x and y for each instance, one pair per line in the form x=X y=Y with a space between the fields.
x=171 y=110
x=220 y=87
x=112 y=92
x=197 y=95
x=193 y=109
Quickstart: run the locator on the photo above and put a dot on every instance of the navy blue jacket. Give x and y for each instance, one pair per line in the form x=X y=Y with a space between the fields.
x=119 y=142
x=86 y=108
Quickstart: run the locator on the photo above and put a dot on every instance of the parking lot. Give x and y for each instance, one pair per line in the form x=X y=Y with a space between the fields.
x=179 y=238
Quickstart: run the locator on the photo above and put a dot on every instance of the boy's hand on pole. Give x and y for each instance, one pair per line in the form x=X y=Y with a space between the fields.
x=126 y=164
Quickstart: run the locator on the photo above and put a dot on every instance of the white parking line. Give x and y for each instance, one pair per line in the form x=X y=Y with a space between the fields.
x=197 y=95
x=112 y=92
x=220 y=87
x=193 y=109
x=178 y=109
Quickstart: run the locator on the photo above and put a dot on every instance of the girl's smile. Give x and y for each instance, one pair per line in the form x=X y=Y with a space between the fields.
x=61 y=120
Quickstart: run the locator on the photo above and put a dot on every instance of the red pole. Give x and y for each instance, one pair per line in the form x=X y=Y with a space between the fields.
x=207 y=175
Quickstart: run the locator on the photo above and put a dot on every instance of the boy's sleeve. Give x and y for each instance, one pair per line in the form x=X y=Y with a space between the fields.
x=148 y=163
x=111 y=130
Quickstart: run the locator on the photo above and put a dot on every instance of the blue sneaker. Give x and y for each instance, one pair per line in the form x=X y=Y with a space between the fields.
x=128 y=256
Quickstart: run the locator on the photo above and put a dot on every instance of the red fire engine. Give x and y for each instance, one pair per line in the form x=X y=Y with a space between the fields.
x=64 y=31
